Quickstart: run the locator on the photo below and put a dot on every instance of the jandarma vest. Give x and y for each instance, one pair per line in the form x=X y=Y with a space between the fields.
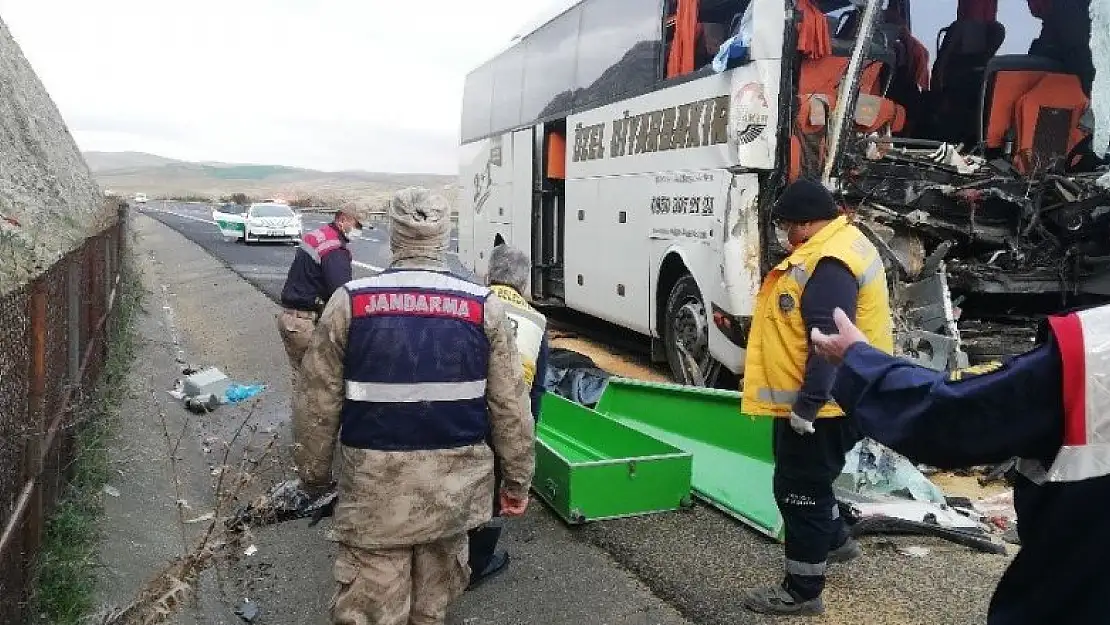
x=416 y=362
x=777 y=350
x=1084 y=342
x=528 y=325
x=321 y=242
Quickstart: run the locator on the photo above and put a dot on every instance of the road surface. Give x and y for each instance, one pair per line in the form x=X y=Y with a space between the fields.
x=265 y=264
x=697 y=562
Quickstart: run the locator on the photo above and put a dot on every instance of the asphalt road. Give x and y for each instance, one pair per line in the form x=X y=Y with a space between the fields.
x=265 y=264
x=700 y=561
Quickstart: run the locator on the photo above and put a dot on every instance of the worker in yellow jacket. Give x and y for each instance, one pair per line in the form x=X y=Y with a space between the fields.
x=831 y=265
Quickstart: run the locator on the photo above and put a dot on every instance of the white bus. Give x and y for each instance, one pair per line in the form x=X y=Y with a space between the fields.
x=640 y=179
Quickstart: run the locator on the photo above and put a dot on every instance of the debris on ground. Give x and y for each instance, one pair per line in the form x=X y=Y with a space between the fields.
x=574 y=376
x=202 y=518
x=871 y=468
x=242 y=392
x=204 y=389
x=208 y=381
x=111 y=491
x=285 y=501
x=913 y=551
x=247 y=610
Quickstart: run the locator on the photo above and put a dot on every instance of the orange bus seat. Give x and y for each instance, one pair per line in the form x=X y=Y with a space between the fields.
x=556 y=156
x=1046 y=120
x=818 y=86
x=1005 y=89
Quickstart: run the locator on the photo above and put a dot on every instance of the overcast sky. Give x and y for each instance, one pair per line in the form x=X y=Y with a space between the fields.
x=324 y=84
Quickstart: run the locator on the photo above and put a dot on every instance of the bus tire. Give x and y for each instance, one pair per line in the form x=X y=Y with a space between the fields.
x=686 y=324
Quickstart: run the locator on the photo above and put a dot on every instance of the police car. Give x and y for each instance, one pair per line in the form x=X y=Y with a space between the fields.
x=262 y=221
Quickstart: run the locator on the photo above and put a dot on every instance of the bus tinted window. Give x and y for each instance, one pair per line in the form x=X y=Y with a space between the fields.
x=928 y=17
x=618 y=49
x=507 y=84
x=549 y=67
x=477 y=95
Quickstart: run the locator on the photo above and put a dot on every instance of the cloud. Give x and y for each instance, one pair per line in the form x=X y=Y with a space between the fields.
x=331 y=84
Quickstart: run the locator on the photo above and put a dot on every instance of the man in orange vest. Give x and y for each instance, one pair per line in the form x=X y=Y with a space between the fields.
x=831 y=265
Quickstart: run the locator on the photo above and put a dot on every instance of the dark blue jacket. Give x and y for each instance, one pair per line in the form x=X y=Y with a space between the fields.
x=984 y=417
x=308 y=280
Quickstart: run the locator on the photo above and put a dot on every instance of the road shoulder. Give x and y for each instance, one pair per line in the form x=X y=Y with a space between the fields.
x=219 y=319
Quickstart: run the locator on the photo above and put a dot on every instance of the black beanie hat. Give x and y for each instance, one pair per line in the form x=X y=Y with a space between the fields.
x=805 y=200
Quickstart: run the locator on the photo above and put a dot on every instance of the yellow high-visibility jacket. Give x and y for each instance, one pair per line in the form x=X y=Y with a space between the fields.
x=528 y=324
x=778 y=343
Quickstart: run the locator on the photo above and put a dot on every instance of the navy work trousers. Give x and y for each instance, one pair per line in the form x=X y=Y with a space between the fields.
x=805 y=468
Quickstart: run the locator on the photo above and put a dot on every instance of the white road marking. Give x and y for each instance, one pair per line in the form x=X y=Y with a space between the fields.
x=365 y=266
x=169 y=212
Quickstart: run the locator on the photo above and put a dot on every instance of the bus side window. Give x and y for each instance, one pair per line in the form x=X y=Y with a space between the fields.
x=694 y=39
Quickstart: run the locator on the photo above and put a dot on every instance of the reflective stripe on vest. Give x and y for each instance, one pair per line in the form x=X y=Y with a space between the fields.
x=1084 y=342
x=528 y=326
x=321 y=242
x=778 y=344
x=416 y=362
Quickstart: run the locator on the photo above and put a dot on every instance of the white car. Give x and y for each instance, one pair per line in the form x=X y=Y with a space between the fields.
x=140 y=198
x=264 y=221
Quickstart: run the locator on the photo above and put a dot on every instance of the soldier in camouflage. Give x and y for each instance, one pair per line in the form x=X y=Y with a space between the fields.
x=412 y=369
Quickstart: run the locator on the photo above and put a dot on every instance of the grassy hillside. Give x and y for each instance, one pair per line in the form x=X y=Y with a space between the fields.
x=127 y=173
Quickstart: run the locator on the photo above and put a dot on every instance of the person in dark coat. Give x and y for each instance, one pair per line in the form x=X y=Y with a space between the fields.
x=1050 y=408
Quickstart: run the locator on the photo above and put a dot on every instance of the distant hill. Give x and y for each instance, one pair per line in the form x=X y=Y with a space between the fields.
x=127 y=173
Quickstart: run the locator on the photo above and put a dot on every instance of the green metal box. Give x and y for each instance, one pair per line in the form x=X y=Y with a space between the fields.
x=590 y=468
x=733 y=460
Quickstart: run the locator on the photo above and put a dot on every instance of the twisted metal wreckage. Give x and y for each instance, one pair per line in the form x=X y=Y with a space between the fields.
x=980 y=242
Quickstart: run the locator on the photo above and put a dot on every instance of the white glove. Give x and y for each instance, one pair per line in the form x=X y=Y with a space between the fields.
x=800 y=425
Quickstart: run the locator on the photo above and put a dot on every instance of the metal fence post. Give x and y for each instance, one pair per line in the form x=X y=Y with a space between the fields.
x=36 y=417
x=106 y=295
x=73 y=318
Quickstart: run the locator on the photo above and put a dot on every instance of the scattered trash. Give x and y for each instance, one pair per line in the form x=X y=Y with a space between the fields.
x=574 y=376
x=1011 y=536
x=111 y=491
x=286 y=501
x=181 y=503
x=918 y=512
x=913 y=551
x=999 y=473
x=178 y=390
x=239 y=392
x=202 y=518
x=250 y=551
x=864 y=524
x=1000 y=505
x=202 y=404
x=871 y=468
x=209 y=381
x=247 y=610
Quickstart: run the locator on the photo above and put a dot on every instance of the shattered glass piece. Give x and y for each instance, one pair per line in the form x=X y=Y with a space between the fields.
x=871 y=468
x=1100 y=90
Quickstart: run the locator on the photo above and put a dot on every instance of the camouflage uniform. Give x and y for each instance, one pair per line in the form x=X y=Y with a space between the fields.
x=295 y=328
x=402 y=517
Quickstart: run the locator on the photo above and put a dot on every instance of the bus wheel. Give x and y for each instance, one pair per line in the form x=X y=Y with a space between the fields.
x=686 y=336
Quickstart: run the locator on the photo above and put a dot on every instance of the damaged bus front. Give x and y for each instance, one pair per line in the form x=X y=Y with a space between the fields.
x=980 y=175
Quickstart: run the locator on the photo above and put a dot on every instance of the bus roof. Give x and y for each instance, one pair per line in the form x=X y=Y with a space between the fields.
x=557 y=8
